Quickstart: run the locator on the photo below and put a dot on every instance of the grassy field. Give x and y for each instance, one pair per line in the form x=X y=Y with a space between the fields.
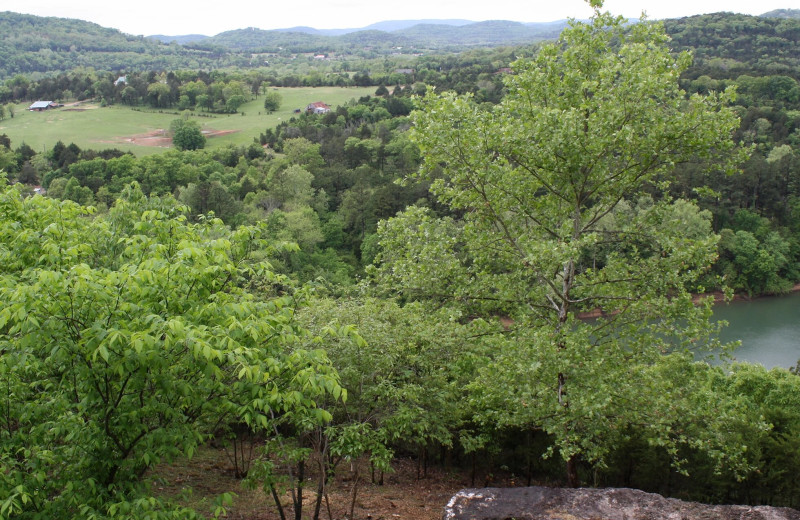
x=118 y=126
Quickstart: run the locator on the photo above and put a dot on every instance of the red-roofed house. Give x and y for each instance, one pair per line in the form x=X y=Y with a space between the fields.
x=318 y=107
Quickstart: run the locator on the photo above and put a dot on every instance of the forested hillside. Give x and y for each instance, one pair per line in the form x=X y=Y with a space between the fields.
x=726 y=45
x=44 y=46
x=497 y=32
x=32 y=44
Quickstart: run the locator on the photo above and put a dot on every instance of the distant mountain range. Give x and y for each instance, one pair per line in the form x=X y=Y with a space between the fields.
x=438 y=31
x=442 y=31
x=783 y=13
x=47 y=45
x=386 y=26
x=396 y=34
x=182 y=40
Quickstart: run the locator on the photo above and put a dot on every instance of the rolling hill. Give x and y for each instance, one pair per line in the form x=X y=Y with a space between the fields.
x=41 y=46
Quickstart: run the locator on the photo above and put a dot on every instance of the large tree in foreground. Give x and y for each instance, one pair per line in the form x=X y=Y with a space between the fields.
x=551 y=184
x=126 y=339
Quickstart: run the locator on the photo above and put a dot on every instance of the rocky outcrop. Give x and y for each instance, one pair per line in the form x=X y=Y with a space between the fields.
x=541 y=503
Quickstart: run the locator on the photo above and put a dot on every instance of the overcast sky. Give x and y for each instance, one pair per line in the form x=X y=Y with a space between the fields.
x=175 y=18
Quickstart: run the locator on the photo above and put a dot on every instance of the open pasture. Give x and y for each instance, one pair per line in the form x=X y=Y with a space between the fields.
x=140 y=130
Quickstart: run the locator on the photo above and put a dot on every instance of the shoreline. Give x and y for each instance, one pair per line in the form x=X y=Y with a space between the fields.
x=719 y=297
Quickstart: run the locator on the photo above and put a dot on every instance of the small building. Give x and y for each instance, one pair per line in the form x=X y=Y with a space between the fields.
x=122 y=80
x=38 y=106
x=318 y=107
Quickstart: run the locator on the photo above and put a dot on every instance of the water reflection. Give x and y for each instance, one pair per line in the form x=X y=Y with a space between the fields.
x=769 y=329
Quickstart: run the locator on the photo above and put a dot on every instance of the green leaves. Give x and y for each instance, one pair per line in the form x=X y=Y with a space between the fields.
x=120 y=350
x=550 y=184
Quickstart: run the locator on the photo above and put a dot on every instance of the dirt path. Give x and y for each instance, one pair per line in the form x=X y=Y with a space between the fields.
x=159 y=139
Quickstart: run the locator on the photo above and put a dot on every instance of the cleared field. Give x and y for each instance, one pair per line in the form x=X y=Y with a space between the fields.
x=139 y=131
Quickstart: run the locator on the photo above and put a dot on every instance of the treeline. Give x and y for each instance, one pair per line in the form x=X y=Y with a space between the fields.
x=224 y=91
x=210 y=91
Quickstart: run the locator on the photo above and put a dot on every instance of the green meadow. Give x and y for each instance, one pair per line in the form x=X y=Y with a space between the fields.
x=125 y=128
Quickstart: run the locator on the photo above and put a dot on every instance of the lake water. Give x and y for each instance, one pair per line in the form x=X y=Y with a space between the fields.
x=769 y=329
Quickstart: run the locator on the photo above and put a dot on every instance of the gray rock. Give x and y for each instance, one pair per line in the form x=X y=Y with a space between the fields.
x=541 y=503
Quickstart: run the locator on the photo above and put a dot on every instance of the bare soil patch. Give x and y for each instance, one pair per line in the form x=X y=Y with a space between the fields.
x=159 y=139
x=217 y=133
x=208 y=474
x=156 y=138
x=78 y=106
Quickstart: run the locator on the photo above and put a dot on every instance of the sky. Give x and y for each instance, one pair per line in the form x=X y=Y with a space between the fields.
x=174 y=18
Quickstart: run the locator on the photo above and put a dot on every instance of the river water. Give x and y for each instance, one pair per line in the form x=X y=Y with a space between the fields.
x=769 y=329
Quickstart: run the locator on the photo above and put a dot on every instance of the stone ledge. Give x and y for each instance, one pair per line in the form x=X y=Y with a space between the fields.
x=542 y=503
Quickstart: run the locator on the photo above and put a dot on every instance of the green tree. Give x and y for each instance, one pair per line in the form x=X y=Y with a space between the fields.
x=205 y=101
x=8 y=160
x=186 y=135
x=303 y=223
x=590 y=122
x=126 y=338
x=27 y=174
x=193 y=89
x=129 y=96
x=272 y=101
x=158 y=93
x=302 y=152
x=406 y=372
x=289 y=187
x=755 y=266
x=234 y=102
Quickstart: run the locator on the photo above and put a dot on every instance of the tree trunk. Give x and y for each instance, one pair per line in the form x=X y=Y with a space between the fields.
x=328 y=506
x=320 y=493
x=277 y=500
x=298 y=503
x=322 y=458
x=572 y=472
x=355 y=490
x=473 y=470
x=529 y=456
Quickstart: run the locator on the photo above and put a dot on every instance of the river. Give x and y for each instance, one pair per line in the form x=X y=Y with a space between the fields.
x=769 y=329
